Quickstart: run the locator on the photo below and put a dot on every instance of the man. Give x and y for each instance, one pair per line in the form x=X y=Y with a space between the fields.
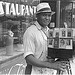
x=35 y=44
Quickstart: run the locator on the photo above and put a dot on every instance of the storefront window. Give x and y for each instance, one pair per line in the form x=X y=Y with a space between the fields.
x=1 y=36
x=53 y=8
x=66 y=11
x=73 y=16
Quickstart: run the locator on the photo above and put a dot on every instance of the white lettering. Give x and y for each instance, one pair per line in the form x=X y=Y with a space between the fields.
x=12 y=9
x=27 y=10
x=7 y=8
x=1 y=9
x=22 y=10
x=31 y=10
x=17 y=9
x=34 y=9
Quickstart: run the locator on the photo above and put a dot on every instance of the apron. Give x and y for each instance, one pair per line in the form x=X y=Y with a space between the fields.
x=42 y=57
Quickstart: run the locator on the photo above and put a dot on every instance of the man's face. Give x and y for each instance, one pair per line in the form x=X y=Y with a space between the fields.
x=44 y=19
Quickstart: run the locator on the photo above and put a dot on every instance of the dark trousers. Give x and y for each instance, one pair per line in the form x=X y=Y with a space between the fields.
x=28 y=69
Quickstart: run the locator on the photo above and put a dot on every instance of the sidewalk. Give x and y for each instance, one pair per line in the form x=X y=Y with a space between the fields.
x=4 y=58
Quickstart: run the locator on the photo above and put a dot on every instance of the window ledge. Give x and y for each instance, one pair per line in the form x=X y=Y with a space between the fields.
x=4 y=58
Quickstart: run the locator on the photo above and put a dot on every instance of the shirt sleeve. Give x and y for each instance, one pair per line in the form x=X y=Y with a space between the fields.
x=28 y=42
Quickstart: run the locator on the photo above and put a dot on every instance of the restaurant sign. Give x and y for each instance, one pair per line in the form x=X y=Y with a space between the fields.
x=9 y=9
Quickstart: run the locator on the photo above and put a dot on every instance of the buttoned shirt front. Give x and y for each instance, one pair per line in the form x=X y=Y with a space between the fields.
x=35 y=43
x=34 y=40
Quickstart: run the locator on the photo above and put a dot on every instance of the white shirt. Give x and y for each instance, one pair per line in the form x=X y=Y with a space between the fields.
x=35 y=42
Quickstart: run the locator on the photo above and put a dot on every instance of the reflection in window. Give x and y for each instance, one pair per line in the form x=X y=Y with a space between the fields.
x=73 y=22
x=66 y=15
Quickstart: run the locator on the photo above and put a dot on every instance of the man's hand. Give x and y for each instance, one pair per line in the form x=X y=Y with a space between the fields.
x=59 y=65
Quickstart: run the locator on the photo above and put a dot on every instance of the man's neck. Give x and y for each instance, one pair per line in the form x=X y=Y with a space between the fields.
x=42 y=26
x=45 y=27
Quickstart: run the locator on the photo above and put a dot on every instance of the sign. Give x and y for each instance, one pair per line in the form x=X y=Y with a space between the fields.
x=16 y=9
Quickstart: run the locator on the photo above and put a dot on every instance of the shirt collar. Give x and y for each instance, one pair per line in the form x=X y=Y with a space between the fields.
x=39 y=26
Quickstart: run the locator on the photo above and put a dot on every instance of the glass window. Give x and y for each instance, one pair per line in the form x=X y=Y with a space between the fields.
x=66 y=13
x=53 y=8
x=73 y=16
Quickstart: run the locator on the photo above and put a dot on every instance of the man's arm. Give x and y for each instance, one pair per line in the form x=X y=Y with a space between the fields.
x=44 y=64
